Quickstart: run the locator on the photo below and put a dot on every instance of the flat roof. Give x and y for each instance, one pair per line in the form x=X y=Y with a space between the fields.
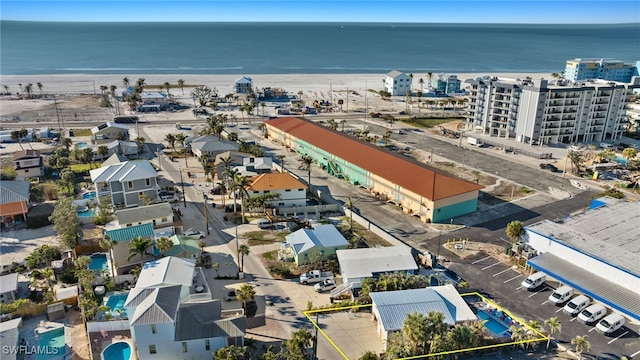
x=599 y=288
x=610 y=233
x=363 y=263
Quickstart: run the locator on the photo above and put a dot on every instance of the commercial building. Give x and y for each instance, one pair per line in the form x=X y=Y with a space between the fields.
x=537 y=111
x=605 y=69
x=422 y=191
x=596 y=252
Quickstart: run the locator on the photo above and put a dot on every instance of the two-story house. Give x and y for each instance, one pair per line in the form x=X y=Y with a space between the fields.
x=172 y=315
x=210 y=146
x=14 y=201
x=108 y=132
x=28 y=163
x=397 y=83
x=292 y=191
x=164 y=220
x=127 y=183
x=121 y=238
x=252 y=166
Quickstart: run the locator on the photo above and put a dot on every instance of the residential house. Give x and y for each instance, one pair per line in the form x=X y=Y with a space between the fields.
x=154 y=98
x=291 y=190
x=235 y=159
x=10 y=336
x=127 y=182
x=164 y=220
x=244 y=85
x=173 y=316
x=186 y=247
x=323 y=240
x=420 y=190
x=211 y=146
x=14 y=202
x=108 y=132
x=397 y=83
x=126 y=148
x=28 y=164
x=122 y=238
x=390 y=308
x=8 y=287
x=443 y=84
x=114 y=159
x=252 y=166
x=359 y=264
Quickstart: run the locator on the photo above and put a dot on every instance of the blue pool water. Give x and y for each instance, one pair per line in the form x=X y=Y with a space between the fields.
x=98 y=262
x=620 y=160
x=52 y=344
x=87 y=214
x=116 y=302
x=117 y=351
x=89 y=195
x=496 y=327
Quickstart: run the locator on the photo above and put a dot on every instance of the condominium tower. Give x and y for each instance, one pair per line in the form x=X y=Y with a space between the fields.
x=539 y=112
x=605 y=69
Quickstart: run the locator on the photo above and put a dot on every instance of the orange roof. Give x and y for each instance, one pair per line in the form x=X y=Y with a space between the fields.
x=14 y=208
x=275 y=181
x=426 y=181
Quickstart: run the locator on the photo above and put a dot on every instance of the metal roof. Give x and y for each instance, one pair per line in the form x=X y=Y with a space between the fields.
x=609 y=233
x=394 y=306
x=114 y=159
x=396 y=73
x=322 y=236
x=601 y=289
x=214 y=145
x=131 y=232
x=8 y=283
x=144 y=213
x=125 y=171
x=201 y=320
x=183 y=244
x=14 y=191
x=161 y=306
x=9 y=334
x=363 y=263
x=168 y=270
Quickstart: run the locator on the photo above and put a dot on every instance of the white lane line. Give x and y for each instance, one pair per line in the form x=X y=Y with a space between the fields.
x=513 y=278
x=557 y=311
x=574 y=318
x=593 y=328
x=502 y=272
x=621 y=335
x=635 y=353
x=538 y=292
x=477 y=261
x=507 y=241
x=545 y=302
x=490 y=266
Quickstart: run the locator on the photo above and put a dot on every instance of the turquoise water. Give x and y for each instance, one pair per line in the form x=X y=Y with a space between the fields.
x=116 y=302
x=88 y=213
x=496 y=327
x=620 y=160
x=89 y=195
x=117 y=351
x=81 y=145
x=52 y=344
x=98 y=262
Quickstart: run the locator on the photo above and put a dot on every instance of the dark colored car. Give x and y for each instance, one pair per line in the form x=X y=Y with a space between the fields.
x=549 y=167
x=229 y=208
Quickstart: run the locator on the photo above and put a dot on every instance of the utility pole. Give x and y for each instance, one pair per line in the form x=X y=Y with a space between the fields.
x=366 y=106
x=315 y=339
x=439 y=241
x=184 y=195
x=206 y=216
x=55 y=103
x=347 y=100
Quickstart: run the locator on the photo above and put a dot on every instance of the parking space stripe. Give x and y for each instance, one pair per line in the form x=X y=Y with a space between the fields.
x=502 y=272
x=490 y=266
x=635 y=353
x=545 y=302
x=477 y=261
x=575 y=318
x=593 y=328
x=621 y=335
x=557 y=311
x=513 y=278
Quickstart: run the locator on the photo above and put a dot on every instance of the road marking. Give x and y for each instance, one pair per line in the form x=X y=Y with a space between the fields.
x=490 y=266
x=513 y=278
x=621 y=335
x=545 y=302
x=536 y=293
x=477 y=261
x=634 y=354
x=573 y=318
x=557 y=311
x=507 y=241
x=593 y=328
x=502 y=272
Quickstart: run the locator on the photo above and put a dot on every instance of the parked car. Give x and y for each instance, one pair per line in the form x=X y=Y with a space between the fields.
x=230 y=295
x=229 y=208
x=326 y=285
x=195 y=233
x=315 y=276
x=549 y=167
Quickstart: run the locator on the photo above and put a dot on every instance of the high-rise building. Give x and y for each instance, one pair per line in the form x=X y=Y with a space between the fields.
x=605 y=69
x=537 y=111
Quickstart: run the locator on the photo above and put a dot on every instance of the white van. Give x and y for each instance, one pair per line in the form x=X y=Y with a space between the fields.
x=610 y=323
x=592 y=313
x=264 y=224
x=605 y=145
x=533 y=281
x=576 y=305
x=561 y=295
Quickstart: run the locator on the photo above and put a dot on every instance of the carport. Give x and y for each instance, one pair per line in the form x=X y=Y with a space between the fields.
x=615 y=296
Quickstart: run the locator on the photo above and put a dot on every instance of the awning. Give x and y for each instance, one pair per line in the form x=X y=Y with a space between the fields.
x=14 y=208
x=599 y=288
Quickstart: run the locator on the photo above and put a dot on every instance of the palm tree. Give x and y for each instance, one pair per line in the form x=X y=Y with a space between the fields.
x=181 y=138
x=240 y=184
x=245 y=294
x=27 y=89
x=582 y=345
x=39 y=85
x=171 y=139
x=517 y=333
x=138 y=246
x=554 y=326
x=140 y=142
x=281 y=158
x=463 y=337
x=242 y=251
x=629 y=153
x=306 y=162
x=164 y=244
x=430 y=77
x=181 y=85
x=414 y=330
x=16 y=135
x=216 y=266
x=168 y=87
x=421 y=82
x=515 y=231
x=103 y=151
x=125 y=82
x=6 y=89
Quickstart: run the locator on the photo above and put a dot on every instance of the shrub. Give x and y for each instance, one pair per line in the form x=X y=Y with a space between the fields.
x=280 y=269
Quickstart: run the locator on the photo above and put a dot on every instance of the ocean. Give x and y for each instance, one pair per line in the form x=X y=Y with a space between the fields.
x=30 y=48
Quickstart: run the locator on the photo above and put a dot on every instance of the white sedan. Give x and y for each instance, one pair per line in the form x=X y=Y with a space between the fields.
x=195 y=233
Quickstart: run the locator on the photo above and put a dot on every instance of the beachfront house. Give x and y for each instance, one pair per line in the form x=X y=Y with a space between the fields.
x=449 y=85
x=390 y=308
x=8 y=287
x=127 y=183
x=397 y=83
x=28 y=164
x=244 y=85
x=292 y=191
x=319 y=243
x=14 y=202
x=172 y=314
x=210 y=146
x=109 y=131
x=154 y=98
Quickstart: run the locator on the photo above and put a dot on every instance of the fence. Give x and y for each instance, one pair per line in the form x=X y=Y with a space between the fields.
x=115 y=325
x=311 y=209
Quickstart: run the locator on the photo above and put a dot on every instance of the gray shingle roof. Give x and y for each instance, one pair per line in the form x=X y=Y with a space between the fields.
x=161 y=306
x=114 y=159
x=144 y=213
x=322 y=236
x=201 y=320
x=214 y=145
x=125 y=171
x=14 y=191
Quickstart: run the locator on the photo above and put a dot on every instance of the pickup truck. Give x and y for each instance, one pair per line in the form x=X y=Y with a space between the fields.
x=326 y=285
x=315 y=276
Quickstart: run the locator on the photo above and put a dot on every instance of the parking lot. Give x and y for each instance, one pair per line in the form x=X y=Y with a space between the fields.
x=502 y=284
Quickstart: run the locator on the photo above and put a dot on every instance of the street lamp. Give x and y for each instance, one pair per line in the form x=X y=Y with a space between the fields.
x=206 y=216
x=439 y=241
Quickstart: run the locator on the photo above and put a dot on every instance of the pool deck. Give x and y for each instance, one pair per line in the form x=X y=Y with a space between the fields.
x=99 y=342
x=79 y=349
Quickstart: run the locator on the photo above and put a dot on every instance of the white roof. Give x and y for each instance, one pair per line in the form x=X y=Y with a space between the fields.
x=67 y=293
x=395 y=73
x=116 y=143
x=109 y=124
x=8 y=282
x=125 y=171
x=14 y=191
x=153 y=95
x=260 y=163
x=322 y=236
x=169 y=270
x=244 y=80
x=364 y=263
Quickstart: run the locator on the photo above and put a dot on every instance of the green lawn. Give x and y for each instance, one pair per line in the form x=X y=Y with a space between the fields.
x=428 y=122
x=81 y=132
x=264 y=237
x=80 y=168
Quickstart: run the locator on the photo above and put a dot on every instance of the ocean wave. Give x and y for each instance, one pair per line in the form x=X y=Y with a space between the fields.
x=148 y=68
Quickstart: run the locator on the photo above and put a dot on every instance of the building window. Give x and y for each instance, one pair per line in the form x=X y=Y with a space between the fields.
x=288 y=190
x=140 y=195
x=184 y=347
x=148 y=182
x=207 y=345
x=152 y=349
x=130 y=184
x=153 y=329
x=164 y=219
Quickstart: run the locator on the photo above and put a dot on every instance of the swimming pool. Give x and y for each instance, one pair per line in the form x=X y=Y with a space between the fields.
x=52 y=344
x=116 y=303
x=497 y=328
x=87 y=213
x=620 y=160
x=89 y=195
x=81 y=145
x=117 y=351
x=98 y=262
